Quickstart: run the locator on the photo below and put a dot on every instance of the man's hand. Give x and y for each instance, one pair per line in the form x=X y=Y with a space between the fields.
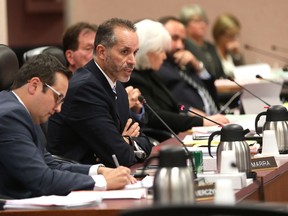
x=132 y=130
x=134 y=103
x=117 y=178
x=185 y=57
x=219 y=118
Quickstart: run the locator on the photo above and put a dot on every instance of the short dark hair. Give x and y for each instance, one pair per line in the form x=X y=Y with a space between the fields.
x=166 y=19
x=70 y=37
x=43 y=66
x=105 y=33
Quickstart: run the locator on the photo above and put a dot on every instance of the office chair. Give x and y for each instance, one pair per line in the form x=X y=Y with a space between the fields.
x=51 y=50
x=9 y=66
x=206 y=210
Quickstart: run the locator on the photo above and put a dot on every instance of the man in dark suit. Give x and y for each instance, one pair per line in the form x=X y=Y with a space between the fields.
x=180 y=73
x=95 y=120
x=27 y=169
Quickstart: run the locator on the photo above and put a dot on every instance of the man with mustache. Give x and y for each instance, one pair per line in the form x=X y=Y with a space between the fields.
x=95 y=121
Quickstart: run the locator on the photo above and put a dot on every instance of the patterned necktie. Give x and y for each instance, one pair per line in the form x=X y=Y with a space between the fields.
x=209 y=104
x=114 y=91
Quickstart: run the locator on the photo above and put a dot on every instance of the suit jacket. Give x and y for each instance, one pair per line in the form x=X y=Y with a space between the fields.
x=89 y=127
x=26 y=168
x=161 y=100
x=182 y=91
x=208 y=55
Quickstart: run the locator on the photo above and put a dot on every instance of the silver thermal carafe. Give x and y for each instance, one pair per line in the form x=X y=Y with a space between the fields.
x=173 y=181
x=276 y=119
x=232 y=137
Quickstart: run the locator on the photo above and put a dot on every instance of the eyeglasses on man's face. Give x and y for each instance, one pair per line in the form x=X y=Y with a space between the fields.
x=59 y=98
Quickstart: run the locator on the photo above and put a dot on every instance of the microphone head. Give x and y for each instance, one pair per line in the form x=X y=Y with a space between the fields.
x=141 y=99
x=181 y=107
x=259 y=77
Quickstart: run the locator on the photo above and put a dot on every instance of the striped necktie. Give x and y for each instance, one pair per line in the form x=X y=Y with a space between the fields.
x=209 y=104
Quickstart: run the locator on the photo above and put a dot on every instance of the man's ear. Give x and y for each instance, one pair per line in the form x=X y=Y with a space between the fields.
x=69 y=57
x=101 y=51
x=33 y=84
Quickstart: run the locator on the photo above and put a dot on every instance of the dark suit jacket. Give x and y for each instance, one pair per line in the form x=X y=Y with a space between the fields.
x=161 y=100
x=183 y=92
x=89 y=125
x=26 y=168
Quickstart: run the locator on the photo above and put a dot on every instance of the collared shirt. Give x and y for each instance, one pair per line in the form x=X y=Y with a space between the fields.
x=111 y=83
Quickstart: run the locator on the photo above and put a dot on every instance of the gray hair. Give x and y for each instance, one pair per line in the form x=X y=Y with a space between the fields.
x=153 y=37
x=190 y=11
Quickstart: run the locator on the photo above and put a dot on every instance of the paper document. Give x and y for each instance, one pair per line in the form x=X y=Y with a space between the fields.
x=117 y=194
x=53 y=201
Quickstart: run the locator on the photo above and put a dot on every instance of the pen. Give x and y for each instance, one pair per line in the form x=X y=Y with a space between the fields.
x=115 y=160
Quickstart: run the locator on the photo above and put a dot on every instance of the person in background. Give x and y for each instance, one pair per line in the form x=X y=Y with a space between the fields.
x=196 y=22
x=179 y=72
x=27 y=169
x=78 y=45
x=95 y=120
x=154 y=41
x=226 y=31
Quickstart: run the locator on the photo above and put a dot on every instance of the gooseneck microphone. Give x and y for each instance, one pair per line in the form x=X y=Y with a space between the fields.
x=278 y=48
x=271 y=81
x=227 y=104
x=182 y=108
x=266 y=53
x=242 y=87
x=143 y=101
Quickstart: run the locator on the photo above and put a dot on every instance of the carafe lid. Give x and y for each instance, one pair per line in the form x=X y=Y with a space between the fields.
x=277 y=113
x=172 y=156
x=232 y=132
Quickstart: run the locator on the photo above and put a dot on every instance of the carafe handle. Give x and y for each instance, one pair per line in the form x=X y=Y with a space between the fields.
x=256 y=121
x=210 y=140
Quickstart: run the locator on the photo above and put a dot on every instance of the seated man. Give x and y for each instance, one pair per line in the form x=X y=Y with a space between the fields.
x=95 y=120
x=179 y=73
x=27 y=169
x=78 y=44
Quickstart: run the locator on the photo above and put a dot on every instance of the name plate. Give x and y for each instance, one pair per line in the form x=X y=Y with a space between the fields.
x=263 y=163
x=204 y=192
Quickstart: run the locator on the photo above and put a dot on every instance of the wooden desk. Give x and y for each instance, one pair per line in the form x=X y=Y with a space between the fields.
x=269 y=187
x=107 y=208
x=274 y=183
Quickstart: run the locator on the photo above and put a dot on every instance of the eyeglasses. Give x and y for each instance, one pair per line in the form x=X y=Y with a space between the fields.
x=59 y=97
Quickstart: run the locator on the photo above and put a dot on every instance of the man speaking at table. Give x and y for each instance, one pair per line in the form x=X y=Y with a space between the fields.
x=95 y=121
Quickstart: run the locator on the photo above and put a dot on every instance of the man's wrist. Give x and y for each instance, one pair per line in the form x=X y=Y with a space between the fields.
x=100 y=182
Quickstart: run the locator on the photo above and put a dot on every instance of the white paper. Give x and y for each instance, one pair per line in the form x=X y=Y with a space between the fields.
x=116 y=194
x=53 y=201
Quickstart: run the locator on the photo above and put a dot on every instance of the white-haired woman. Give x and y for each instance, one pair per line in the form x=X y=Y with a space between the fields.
x=154 y=41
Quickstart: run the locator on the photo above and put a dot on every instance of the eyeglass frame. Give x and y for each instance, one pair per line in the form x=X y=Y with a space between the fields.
x=60 y=97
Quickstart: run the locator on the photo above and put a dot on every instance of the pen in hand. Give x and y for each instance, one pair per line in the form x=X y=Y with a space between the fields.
x=115 y=160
